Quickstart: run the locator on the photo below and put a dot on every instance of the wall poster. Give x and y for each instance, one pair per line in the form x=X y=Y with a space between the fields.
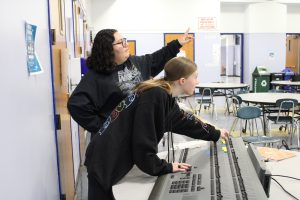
x=33 y=64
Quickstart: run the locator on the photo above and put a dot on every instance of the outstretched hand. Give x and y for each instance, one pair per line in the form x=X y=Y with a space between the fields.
x=181 y=167
x=224 y=134
x=186 y=38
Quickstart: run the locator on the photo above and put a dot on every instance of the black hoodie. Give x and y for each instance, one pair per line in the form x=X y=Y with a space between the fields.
x=98 y=94
x=132 y=132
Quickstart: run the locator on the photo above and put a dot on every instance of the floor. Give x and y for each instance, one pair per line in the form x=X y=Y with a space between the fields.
x=224 y=120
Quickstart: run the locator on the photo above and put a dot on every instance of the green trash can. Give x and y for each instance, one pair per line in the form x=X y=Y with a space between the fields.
x=260 y=79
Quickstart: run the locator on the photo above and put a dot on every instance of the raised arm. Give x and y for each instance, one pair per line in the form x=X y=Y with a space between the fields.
x=152 y=64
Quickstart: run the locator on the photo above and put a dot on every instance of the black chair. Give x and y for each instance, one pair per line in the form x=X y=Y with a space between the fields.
x=236 y=104
x=205 y=97
x=250 y=114
x=244 y=90
x=229 y=98
x=285 y=115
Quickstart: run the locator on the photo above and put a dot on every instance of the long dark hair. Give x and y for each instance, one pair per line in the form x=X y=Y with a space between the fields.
x=102 y=57
x=176 y=68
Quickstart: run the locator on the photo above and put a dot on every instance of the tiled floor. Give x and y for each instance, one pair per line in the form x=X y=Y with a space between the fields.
x=224 y=120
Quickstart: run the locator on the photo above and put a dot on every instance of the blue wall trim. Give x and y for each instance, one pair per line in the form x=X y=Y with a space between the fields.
x=53 y=100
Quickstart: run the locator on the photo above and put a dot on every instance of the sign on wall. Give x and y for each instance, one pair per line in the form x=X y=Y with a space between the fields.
x=33 y=64
x=207 y=23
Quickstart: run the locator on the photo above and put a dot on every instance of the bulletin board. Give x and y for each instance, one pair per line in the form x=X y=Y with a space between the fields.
x=189 y=48
x=132 y=47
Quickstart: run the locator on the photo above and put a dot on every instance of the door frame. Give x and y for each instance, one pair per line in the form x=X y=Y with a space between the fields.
x=242 y=53
x=297 y=34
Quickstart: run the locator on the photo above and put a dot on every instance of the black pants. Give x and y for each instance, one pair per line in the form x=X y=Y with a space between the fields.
x=97 y=192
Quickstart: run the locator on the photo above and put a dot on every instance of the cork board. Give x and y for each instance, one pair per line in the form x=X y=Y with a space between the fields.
x=275 y=154
x=132 y=47
x=188 y=49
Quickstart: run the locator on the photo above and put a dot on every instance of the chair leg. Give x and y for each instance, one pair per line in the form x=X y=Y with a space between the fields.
x=191 y=106
x=298 y=136
x=200 y=106
x=228 y=105
x=270 y=128
x=245 y=129
x=215 y=110
x=241 y=125
x=197 y=108
x=233 y=125
x=293 y=134
x=256 y=127
x=290 y=133
x=250 y=126
x=262 y=123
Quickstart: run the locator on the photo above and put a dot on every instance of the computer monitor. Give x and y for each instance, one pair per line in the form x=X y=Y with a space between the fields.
x=263 y=173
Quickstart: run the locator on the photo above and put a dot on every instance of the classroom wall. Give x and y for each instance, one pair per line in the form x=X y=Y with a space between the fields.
x=269 y=17
x=27 y=144
x=265 y=39
x=147 y=21
x=233 y=18
x=150 y=16
x=293 y=17
x=265 y=26
x=263 y=49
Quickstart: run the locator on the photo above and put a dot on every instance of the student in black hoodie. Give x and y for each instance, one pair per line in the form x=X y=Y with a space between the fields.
x=112 y=74
x=131 y=133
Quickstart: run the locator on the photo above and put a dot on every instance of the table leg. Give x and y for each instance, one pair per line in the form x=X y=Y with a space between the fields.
x=264 y=119
x=227 y=102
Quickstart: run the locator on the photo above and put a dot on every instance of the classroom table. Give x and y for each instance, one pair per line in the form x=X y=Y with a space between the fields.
x=220 y=85
x=266 y=98
x=286 y=83
x=223 y=86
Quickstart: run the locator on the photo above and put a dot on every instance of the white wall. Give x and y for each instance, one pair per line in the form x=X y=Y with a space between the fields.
x=150 y=16
x=263 y=49
x=147 y=21
x=207 y=56
x=233 y=18
x=269 y=17
x=293 y=18
x=27 y=145
x=265 y=26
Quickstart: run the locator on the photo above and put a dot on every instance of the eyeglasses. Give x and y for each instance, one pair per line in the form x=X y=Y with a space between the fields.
x=123 y=42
